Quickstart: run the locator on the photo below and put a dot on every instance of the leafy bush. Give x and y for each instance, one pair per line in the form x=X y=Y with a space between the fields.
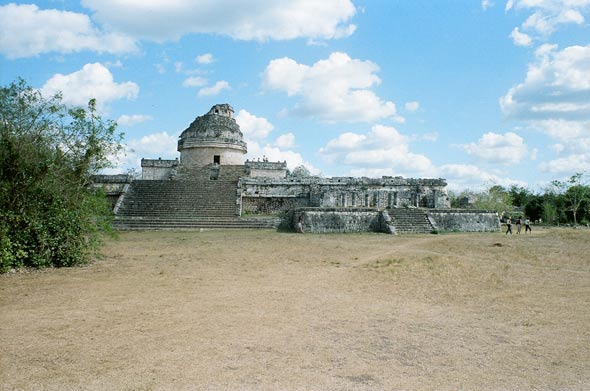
x=48 y=214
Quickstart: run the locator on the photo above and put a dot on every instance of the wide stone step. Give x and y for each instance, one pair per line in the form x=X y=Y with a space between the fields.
x=187 y=223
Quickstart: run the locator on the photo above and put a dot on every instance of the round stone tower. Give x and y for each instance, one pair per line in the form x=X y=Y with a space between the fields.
x=213 y=138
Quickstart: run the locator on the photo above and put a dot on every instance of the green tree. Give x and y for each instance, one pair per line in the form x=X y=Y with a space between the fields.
x=495 y=198
x=574 y=193
x=519 y=195
x=549 y=212
x=533 y=207
x=48 y=151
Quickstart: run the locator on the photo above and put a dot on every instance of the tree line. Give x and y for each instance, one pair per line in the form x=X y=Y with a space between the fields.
x=562 y=202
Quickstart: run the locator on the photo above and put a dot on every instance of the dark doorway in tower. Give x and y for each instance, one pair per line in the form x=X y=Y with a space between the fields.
x=216 y=159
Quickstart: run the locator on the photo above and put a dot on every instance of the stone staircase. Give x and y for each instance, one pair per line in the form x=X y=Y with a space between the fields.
x=410 y=220
x=194 y=199
x=156 y=223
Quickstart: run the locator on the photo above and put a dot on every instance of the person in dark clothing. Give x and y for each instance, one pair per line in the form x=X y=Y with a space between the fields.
x=508 y=226
x=527 y=226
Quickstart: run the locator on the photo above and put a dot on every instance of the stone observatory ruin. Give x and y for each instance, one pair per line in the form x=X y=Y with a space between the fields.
x=212 y=185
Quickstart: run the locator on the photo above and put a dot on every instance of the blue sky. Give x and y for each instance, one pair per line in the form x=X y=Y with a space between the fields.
x=477 y=92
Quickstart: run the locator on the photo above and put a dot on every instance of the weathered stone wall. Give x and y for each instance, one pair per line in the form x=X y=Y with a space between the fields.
x=272 y=205
x=329 y=220
x=203 y=155
x=325 y=220
x=464 y=220
x=274 y=187
x=112 y=185
x=349 y=192
x=158 y=169
x=385 y=192
x=266 y=169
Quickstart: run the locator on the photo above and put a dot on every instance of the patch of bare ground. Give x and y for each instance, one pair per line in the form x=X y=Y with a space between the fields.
x=261 y=310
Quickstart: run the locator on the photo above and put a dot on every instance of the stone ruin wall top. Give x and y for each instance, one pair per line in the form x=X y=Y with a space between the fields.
x=354 y=181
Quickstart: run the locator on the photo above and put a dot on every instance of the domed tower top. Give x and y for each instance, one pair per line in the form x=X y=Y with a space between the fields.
x=222 y=109
x=213 y=138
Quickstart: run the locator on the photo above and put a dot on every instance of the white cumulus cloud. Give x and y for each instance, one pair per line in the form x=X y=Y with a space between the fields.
x=214 y=89
x=115 y=26
x=194 y=81
x=257 y=129
x=547 y=16
x=155 y=145
x=567 y=165
x=152 y=146
x=92 y=81
x=206 y=58
x=412 y=106
x=253 y=127
x=519 y=38
x=130 y=120
x=573 y=136
x=335 y=89
x=259 y=20
x=383 y=150
x=507 y=148
x=29 y=31
x=557 y=85
x=286 y=140
x=467 y=176
x=554 y=99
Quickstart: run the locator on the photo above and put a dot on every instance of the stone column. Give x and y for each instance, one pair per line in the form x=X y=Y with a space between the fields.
x=435 y=198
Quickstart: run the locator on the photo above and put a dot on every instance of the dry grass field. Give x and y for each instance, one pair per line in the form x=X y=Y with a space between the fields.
x=262 y=310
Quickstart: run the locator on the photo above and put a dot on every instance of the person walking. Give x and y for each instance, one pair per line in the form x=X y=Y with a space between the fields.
x=527 y=226
x=300 y=225
x=518 y=225
x=508 y=226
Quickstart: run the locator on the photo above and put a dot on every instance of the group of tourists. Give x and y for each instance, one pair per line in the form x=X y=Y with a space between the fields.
x=527 y=225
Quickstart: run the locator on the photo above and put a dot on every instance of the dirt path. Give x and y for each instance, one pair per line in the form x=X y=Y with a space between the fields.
x=260 y=310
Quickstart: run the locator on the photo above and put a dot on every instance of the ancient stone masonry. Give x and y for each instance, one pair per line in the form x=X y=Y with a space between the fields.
x=158 y=169
x=212 y=138
x=112 y=185
x=386 y=192
x=212 y=186
x=340 y=220
x=266 y=169
x=394 y=221
x=464 y=220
